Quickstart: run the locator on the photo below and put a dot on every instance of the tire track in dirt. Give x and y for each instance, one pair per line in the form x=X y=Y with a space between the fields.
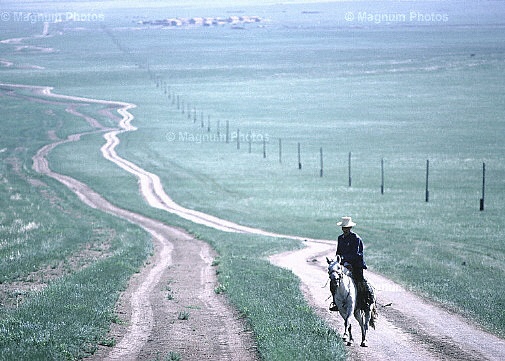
x=411 y=328
x=426 y=336
x=144 y=301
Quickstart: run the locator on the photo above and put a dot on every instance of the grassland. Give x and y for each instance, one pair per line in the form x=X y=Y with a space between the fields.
x=439 y=248
x=444 y=249
x=79 y=260
x=62 y=264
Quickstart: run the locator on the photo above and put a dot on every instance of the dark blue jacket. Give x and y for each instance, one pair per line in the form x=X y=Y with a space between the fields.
x=350 y=248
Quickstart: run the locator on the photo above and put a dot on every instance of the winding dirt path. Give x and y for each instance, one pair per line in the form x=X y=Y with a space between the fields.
x=409 y=328
x=179 y=279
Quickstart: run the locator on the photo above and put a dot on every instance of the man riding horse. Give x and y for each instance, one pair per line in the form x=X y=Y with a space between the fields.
x=350 y=249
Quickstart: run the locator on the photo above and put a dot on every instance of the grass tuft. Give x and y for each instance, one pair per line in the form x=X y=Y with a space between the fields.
x=183 y=315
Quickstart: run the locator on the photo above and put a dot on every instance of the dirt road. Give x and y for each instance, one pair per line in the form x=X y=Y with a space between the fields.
x=409 y=328
x=170 y=306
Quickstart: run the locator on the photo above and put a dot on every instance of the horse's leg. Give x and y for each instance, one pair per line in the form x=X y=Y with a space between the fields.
x=349 y=343
x=345 y=336
x=363 y=318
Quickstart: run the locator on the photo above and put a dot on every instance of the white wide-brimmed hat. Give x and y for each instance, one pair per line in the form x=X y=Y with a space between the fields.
x=346 y=222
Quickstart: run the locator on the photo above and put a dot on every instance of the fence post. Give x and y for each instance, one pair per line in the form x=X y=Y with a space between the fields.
x=382 y=176
x=280 y=150
x=264 y=148
x=483 y=186
x=299 y=158
x=427 y=194
x=350 y=177
x=321 y=161
x=250 y=142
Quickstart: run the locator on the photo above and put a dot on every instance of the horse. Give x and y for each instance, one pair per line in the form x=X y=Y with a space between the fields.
x=345 y=297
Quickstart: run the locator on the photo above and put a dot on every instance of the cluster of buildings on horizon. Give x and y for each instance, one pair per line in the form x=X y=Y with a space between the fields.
x=201 y=21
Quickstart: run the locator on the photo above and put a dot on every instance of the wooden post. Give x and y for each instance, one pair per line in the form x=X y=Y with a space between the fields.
x=238 y=138
x=182 y=106
x=178 y=102
x=264 y=148
x=299 y=157
x=483 y=186
x=227 y=131
x=382 y=176
x=427 y=198
x=280 y=150
x=250 y=142
x=208 y=123
x=321 y=161
x=350 y=177
x=218 y=132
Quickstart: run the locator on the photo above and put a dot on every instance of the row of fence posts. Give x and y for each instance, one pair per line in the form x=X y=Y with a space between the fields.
x=161 y=83
x=427 y=191
x=192 y=114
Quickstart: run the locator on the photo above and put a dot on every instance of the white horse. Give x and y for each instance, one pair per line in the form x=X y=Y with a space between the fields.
x=345 y=297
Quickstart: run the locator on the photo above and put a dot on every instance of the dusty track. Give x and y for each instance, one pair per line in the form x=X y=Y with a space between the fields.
x=409 y=329
x=180 y=268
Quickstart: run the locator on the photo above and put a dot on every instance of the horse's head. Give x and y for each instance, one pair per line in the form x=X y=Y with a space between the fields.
x=334 y=263
x=335 y=269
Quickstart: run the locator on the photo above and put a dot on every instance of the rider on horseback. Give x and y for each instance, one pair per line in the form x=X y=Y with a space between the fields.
x=350 y=249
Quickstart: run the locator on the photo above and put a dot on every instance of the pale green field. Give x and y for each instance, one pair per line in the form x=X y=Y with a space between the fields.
x=423 y=245
x=56 y=295
x=432 y=101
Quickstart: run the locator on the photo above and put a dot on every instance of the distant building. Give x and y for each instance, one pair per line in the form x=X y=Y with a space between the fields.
x=210 y=21
x=196 y=21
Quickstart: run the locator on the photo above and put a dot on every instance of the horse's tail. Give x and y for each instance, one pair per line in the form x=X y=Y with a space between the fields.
x=373 y=315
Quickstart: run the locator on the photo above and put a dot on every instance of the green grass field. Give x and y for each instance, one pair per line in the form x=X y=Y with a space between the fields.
x=41 y=246
x=62 y=264
x=445 y=249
